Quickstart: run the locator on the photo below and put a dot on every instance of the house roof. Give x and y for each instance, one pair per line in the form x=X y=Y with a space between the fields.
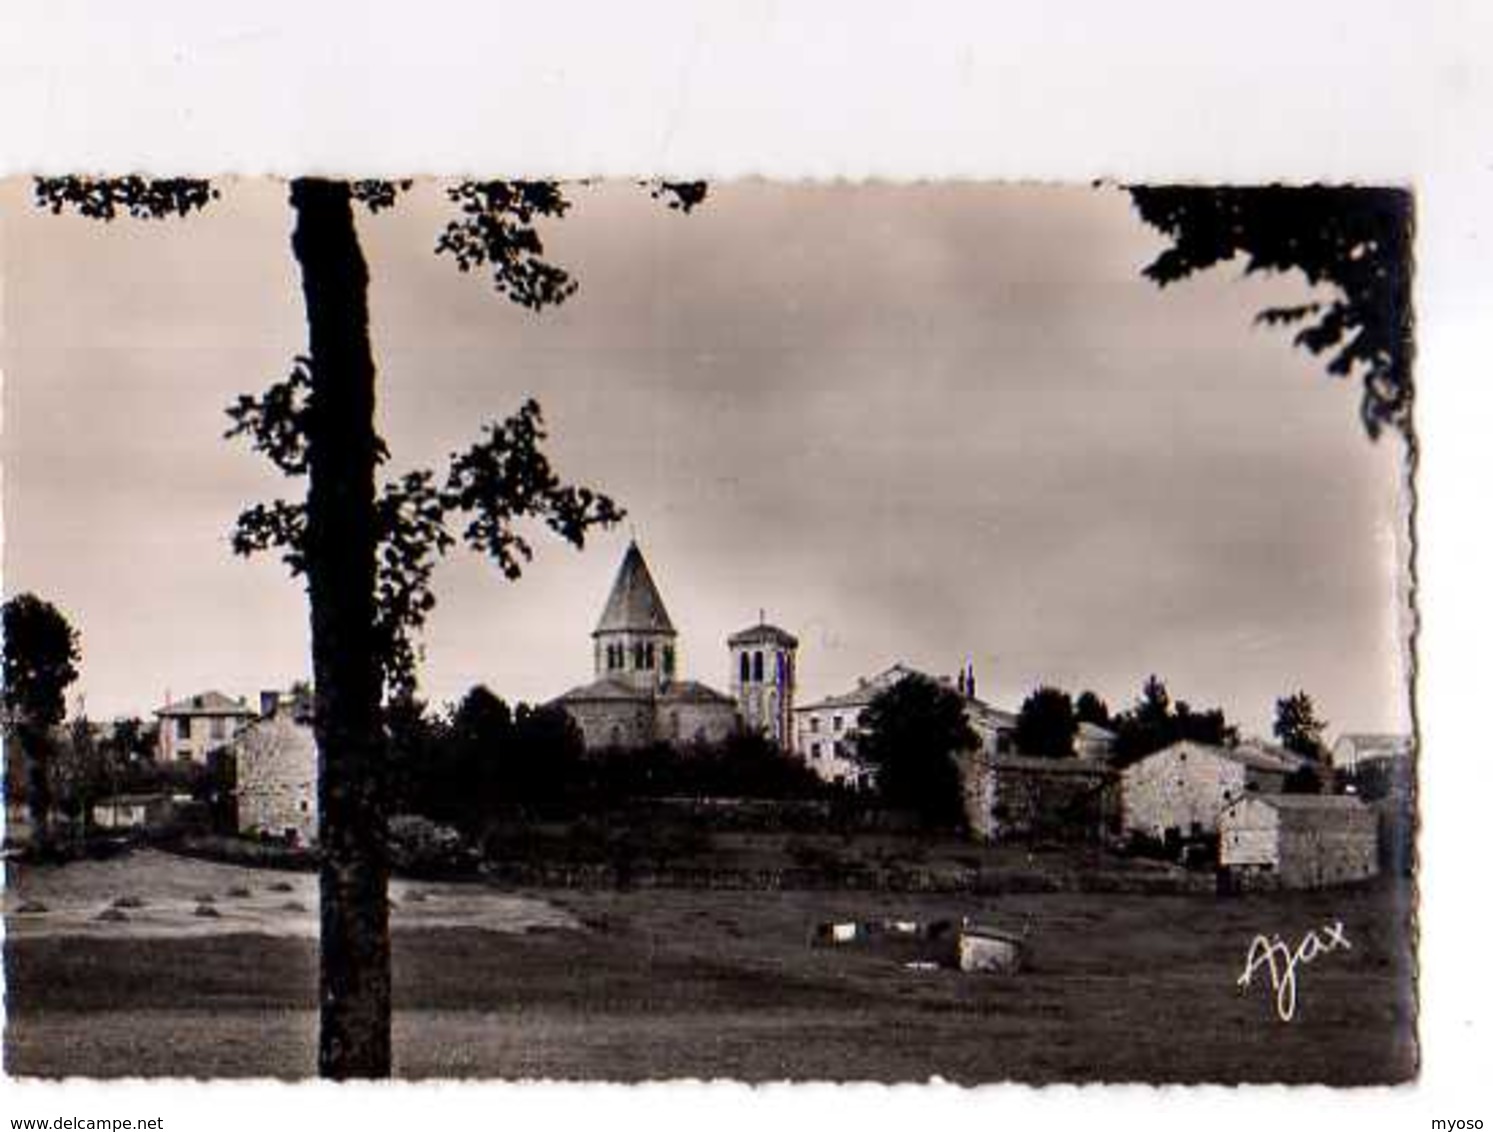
x=1038 y=765
x=207 y=703
x=615 y=691
x=634 y=605
x=692 y=692
x=868 y=689
x=1301 y=810
x=763 y=634
x=1307 y=801
x=1252 y=757
x=1094 y=731
x=1364 y=743
x=604 y=689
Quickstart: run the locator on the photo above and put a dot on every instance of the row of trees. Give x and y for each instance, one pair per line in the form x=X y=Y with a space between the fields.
x=1048 y=723
x=482 y=758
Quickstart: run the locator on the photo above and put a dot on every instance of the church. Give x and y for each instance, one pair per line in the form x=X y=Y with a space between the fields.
x=637 y=696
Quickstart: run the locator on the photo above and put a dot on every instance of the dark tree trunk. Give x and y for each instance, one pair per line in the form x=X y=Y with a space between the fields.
x=341 y=540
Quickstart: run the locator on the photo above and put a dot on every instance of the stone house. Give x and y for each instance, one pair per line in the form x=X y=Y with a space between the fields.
x=1353 y=751
x=1185 y=787
x=275 y=767
x=1094 y=743
x=191 y=729
x=1298 y=840
x=133 y=811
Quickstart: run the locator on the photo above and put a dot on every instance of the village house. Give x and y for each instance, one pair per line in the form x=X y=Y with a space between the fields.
x=1298 y=840
x=1094 y=743
x=191 y=729
x=824 y=731
x=1183 y=788
x=637 y=696
x=134 y=811
x=275 y=768
x=1356 y=751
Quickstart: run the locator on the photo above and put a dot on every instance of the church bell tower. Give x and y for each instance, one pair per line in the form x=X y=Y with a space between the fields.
x=763 y=679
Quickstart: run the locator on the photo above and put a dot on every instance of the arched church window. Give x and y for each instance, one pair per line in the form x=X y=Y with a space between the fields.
x=746 y=667
x=668 y=660
x=648 y=656
x=637 y=655
x=757 y=665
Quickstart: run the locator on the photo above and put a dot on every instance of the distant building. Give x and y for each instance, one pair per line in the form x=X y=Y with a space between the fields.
x=1298 y=840
x=1094 y=743
x=1351 y=752
x=636 y=697
x=763 y=660
x=823 y=731
x=1186 y=786
x=193 y=728
x=275 y=770
x=133 y=811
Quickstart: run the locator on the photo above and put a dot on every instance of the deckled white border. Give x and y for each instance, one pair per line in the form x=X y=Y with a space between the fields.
x=1150 y=89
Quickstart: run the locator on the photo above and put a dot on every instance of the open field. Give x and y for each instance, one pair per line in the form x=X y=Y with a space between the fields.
x=677 y=983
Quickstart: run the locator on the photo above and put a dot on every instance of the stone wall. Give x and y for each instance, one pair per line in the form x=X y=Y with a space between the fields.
x=1053 y=800
x=276 y=769
x=1181 y=787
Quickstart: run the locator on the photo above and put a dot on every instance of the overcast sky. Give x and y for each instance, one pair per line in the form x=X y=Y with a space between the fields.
x=916 y=424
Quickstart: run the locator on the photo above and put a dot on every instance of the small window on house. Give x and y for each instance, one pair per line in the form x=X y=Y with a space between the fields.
x=746 y=667
x=836 y=748
x=217 y=728
x=814 y=750
x=757 y=666
x=669 y=660
x=305 y=806
x=814 y=724
x=637 y=656
x=648 y=656
x=839 y=722
x=184 y=727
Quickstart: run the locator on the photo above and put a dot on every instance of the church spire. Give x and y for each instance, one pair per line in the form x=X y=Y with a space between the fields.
x=634 y=605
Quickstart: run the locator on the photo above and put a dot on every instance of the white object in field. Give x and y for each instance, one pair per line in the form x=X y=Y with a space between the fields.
x=843 y=933
x=905 y=927
x=999 y=952
x=921 y=965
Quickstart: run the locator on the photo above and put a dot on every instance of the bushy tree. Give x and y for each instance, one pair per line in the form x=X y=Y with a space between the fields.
x=1298 y=728
x=908 y=738
x=41 y=655
x=1089 y=708
x=1155 y=723
x=1046 y=725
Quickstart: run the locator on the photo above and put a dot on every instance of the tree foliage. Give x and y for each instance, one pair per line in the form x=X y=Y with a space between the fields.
x=908 y=737
x=1047 y=724
x=1356 y=240
x=1155 y=723
x=487 y=490
x=1297 y=726
x=1089 y=708
x=41 y=656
